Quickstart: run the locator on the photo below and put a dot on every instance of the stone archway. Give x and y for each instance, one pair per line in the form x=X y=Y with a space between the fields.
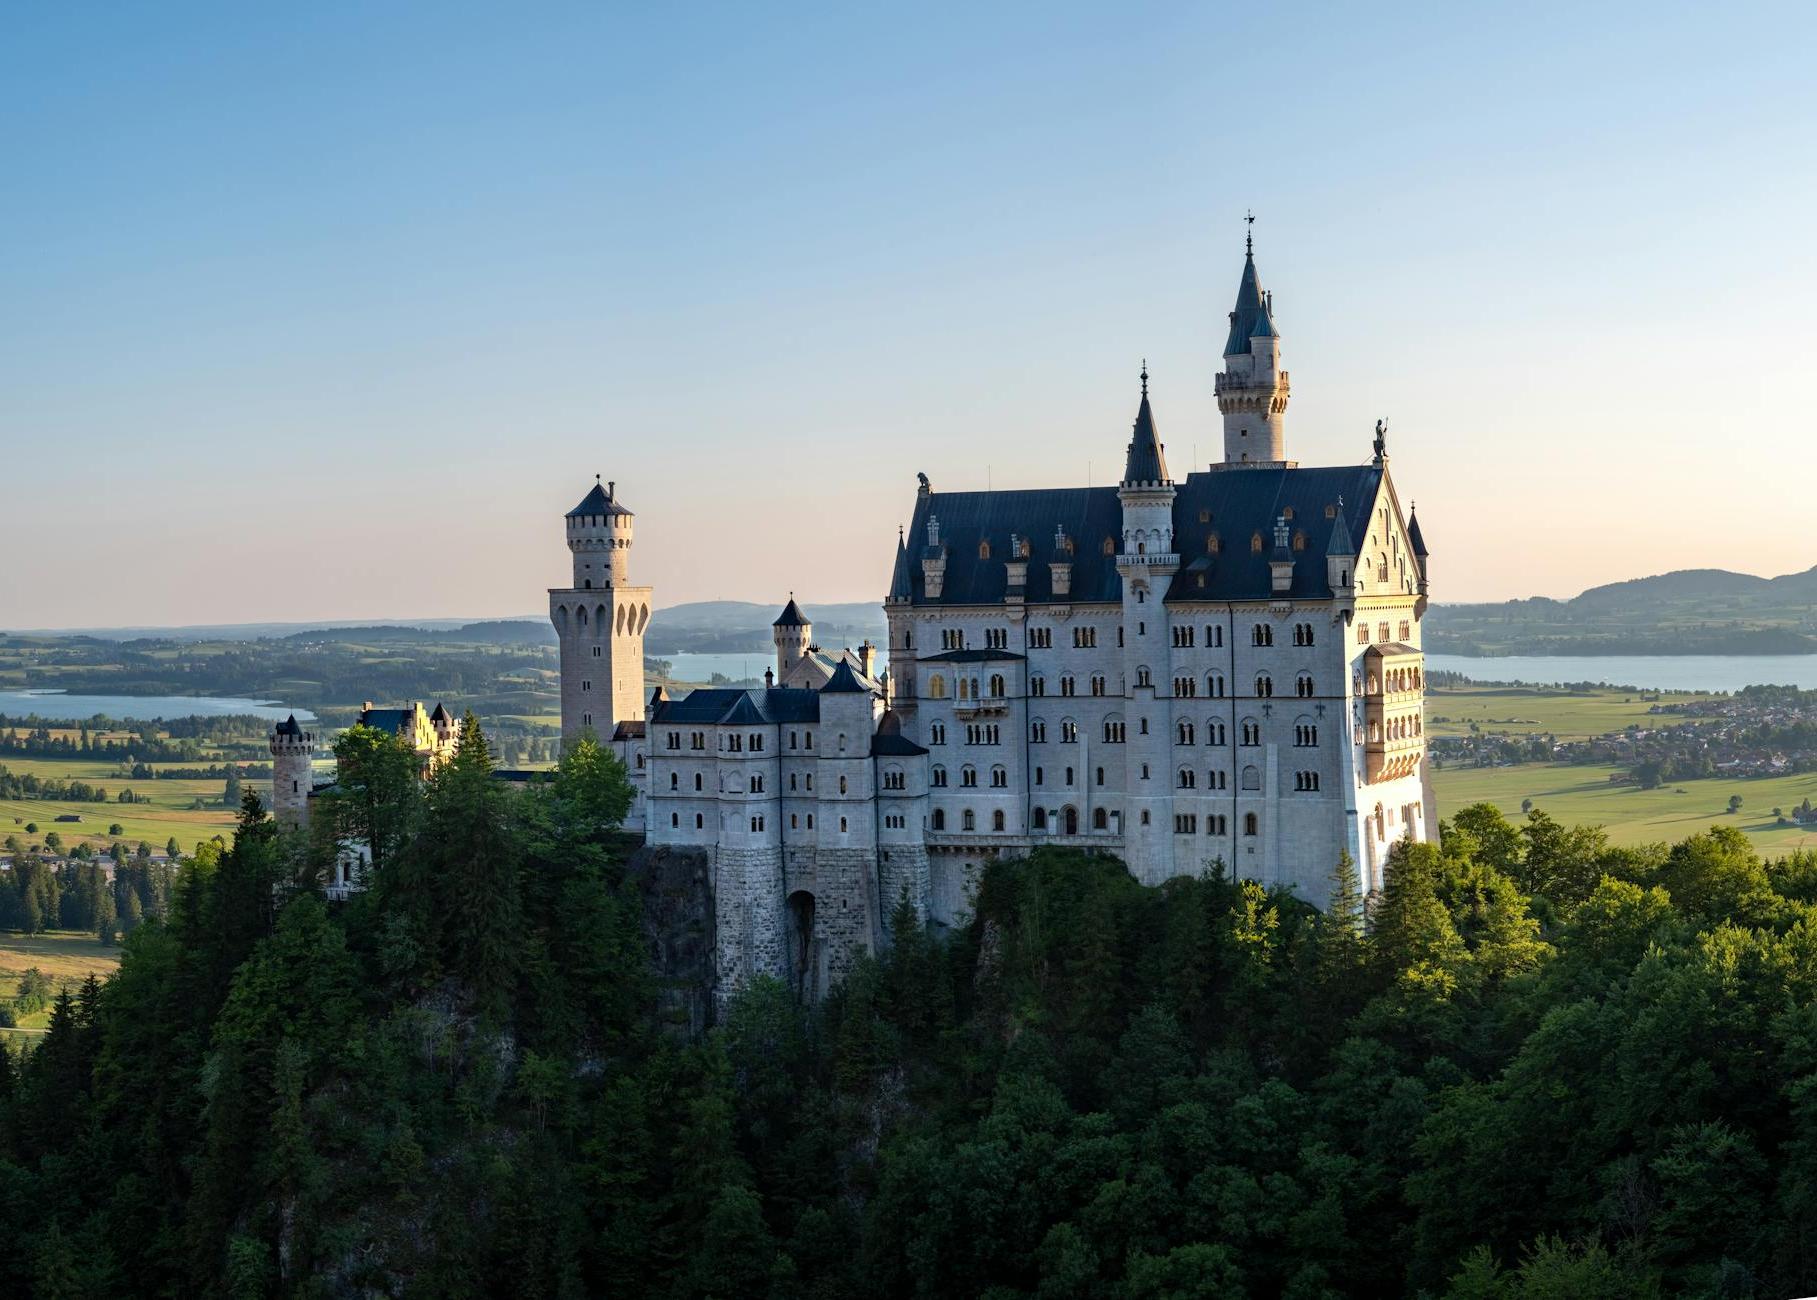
x=803 y=953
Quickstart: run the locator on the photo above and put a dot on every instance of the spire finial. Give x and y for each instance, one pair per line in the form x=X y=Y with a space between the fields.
x=1249 y=234
x=1145 y=376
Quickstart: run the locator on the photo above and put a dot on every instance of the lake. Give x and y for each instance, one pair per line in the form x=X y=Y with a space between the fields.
x=1651 y=672
x=141 y=708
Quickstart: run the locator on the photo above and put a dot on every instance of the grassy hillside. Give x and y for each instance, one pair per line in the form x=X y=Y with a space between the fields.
x=1692 y=611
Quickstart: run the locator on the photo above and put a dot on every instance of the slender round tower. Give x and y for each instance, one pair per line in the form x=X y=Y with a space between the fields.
x=793 y=634
x=292 y=771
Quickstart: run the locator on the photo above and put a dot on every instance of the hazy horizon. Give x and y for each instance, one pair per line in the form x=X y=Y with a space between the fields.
x=324 y=314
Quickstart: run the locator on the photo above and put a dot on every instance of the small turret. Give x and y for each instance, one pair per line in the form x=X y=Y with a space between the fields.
x=292 y=771
x=1418 y=541
x=1340 y=554
x=793 y=634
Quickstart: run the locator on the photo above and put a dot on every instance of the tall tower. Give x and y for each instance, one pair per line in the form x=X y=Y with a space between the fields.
x=600 y=621
x=1147 y=563
x=1252 y=390
x=793 y=634
x=292 y=771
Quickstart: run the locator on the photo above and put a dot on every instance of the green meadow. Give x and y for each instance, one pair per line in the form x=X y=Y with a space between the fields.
x=1525 y=710
x=66 y=957
x=1574 y=795
x=169 y=812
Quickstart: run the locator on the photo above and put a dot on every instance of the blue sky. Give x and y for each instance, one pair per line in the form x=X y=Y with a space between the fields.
x=331 y=311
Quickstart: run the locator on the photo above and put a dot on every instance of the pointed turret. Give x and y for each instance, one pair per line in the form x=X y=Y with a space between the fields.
x=1340 y=553
x=791 y=615
x=1252 y=318
x=901 y=588
x=1252 y=390
x=1147 y=461
x=1417 y=540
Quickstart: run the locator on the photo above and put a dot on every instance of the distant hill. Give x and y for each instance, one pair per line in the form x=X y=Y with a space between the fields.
x=1688 y=611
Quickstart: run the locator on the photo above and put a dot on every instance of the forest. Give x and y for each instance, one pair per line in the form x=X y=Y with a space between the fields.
x=1535 y=1066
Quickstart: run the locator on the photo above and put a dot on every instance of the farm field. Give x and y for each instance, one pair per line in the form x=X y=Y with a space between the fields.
x=1583 y=795
x=67 y=957
x=166 y=815
x=1525 y=710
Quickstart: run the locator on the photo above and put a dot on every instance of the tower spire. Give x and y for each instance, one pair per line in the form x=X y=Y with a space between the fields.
x=1147 y=462
x=1252 y=390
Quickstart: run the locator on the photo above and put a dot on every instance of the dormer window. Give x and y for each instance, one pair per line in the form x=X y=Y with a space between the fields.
x=984 y=550
x=1287 y=512
x=1255 y=543
x=1204 y=516
x=1213 y=545
x=1299 y=540
x=1110 y=546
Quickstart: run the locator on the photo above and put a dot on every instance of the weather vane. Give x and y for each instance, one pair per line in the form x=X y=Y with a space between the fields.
x=1249 y=235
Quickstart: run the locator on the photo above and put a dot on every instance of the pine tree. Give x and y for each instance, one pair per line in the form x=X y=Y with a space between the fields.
x=471 y=855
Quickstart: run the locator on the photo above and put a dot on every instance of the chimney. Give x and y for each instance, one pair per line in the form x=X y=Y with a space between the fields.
x=867 y=657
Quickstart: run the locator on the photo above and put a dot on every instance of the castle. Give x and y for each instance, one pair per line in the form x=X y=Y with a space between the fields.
x=1220 y=668
x=1224 y=667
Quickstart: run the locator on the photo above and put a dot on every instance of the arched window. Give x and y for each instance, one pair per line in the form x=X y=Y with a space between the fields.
x=997 y=820
x=697 y=784
x=1212 y=545
x=675 y=780
x=1255 y=542
x=1214 y=685
x=937 y=777
x=936 y=687
x=1110 y=546
x=984 y=550
x=1249 y=824
x=1302 y=684
x=842 y=785
x=1100 y=820
x=996 y=684
x=968 y=775
x=1299 y=540
x=1252 y=778
x=1264 y=685
x=968 y=820
x=1040 y=819
x=939 y=822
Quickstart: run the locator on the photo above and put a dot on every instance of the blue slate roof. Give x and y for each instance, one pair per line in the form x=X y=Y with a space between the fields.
x=845 y=682
x=791 y=616
x=1415 y=538
x=392 y=720
x=1146 y=462
x=1251 y=319
x=597 y=502
x=289 y=727
x=973 y=656
x=712 y=705
x=1239 y=502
